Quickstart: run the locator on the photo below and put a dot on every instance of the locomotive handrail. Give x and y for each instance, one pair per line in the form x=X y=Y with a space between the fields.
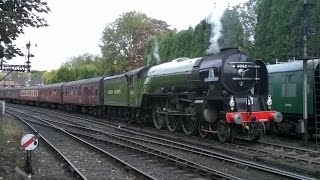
x=245 y=79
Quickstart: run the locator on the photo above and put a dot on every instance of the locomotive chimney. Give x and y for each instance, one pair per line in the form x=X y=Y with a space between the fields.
x=228 y=48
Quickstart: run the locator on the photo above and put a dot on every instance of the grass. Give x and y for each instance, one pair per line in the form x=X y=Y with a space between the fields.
x=9 y=130
x=11 y=153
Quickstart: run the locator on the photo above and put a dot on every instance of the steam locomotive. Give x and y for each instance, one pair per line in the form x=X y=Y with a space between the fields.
x=224 y=94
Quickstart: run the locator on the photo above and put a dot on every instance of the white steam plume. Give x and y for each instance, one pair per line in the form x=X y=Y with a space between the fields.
x=156 y=51
x=216 y=28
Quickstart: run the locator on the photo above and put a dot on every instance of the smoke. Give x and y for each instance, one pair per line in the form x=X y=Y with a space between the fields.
x=156 y=51
x=216 y=28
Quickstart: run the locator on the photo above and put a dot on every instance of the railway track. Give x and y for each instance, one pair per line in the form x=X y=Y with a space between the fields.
x=77 y=173
x=88 y=162
x=136 y=159
x=149 y=142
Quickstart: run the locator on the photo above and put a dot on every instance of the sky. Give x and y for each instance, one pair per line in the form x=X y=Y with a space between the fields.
x=76 y=26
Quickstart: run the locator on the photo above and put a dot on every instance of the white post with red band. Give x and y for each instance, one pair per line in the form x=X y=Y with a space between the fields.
x=29 y=142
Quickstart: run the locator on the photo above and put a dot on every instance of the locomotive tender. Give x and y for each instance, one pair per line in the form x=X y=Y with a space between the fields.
x=223 y=94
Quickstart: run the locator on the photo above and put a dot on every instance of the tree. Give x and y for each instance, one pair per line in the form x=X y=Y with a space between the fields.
x=86 y=71
x=15 y=15
x=279 y=31
x=248 y=19
x=232 y=30
x=200 y=40
x=81 y=60
x=124 y=40
x=190 y=43
x=65 y=74
x=314 y=30
x=50 y=77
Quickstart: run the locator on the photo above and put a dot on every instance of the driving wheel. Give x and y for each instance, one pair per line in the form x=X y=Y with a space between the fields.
x=224 y=131
x=158 y=119
x=172 y=123
x=189 y=125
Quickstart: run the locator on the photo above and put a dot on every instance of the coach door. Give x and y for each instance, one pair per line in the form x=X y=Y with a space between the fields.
x=86 y=94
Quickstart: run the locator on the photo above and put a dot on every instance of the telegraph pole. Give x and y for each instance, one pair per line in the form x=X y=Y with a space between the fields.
x=306 y=32
x=305 y=72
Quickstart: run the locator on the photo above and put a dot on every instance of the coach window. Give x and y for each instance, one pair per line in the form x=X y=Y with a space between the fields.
x=96 y=92
x=289 y=86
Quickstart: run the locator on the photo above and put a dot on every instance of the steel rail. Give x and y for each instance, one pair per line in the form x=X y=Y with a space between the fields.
x=225 y=157
x=51 y=145
x=145 y=175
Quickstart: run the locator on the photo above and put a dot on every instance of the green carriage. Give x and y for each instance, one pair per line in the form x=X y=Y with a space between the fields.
x=286 y=88
x=123 y=95
x=124 y=89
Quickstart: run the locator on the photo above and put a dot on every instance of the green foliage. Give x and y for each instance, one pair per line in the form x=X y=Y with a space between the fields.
x=248 y=17
x=76 y=68
x=313 y=43
x=51 y=77
x=14 y=17
x=86 y=71
x=124 y=40
x=232 y=30
x=65 y=74
x=194 y=42
x=82 y=60
x=279 y=31
x=187 y=43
